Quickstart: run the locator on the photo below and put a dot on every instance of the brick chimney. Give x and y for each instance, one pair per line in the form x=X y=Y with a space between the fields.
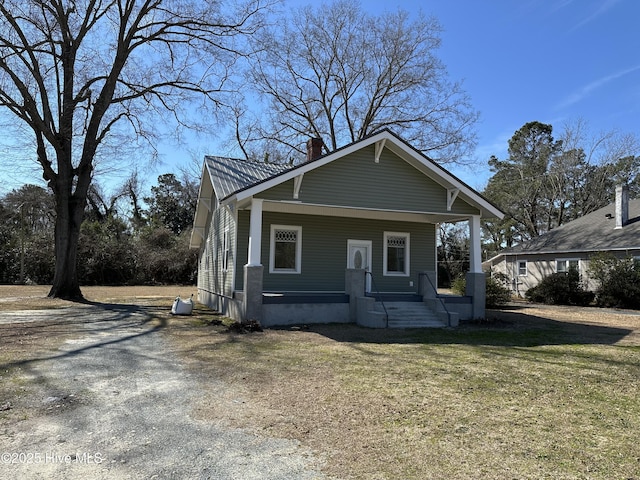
x=622 y=206
x=314 y=148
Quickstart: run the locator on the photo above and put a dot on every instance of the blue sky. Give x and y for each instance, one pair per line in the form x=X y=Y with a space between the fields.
x=553 y=61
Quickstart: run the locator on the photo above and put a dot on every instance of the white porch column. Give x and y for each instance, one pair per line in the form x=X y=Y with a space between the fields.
x=255 y=233
x=475 y=253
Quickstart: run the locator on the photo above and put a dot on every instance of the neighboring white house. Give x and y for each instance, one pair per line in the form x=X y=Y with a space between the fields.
x=614 y=228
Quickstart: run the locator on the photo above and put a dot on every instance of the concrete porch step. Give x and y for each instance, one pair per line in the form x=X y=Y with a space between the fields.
x=411 y=315
x=417 y=323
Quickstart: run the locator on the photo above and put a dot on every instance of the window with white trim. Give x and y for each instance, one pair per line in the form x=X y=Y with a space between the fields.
x=225 y=250
x=207 y=254
x=286 y=249
x=396 y=254
x=522 y=268
x=566 y=264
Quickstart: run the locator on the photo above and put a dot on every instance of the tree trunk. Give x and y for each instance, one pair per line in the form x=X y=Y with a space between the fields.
x=67 y=233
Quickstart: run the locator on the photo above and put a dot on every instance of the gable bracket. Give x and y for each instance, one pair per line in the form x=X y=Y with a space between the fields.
x=379 y=148
x=200 y=232
x=297 y=183
x=452 y=194
x=206 y=202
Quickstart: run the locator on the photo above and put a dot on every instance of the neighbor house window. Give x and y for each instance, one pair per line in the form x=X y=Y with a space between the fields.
x=225 y=250
x=286 y=249
x=396 y=253
x=522 y=268
x=565 y=265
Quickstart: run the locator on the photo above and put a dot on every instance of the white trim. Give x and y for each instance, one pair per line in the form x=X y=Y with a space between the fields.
x=272 y=249
x=226 y=250
x=207 y=256
x=297 y=184
x=526 y=268
x=206 y=201
x=378 y=149
x=452 y=194
x=284 y=206
x=407 y=250
x=200 y=232
x=498 y=257
x=255 y=234
x=475 y=239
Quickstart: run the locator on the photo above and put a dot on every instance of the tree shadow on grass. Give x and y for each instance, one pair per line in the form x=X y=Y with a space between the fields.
x=512 y=327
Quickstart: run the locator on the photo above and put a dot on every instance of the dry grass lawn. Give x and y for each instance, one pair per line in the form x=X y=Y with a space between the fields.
x=534 y=392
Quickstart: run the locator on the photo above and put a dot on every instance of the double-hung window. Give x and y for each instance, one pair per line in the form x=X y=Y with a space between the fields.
x=286 y=249
x=566 y=264
x=396 y=254
x=522 y=268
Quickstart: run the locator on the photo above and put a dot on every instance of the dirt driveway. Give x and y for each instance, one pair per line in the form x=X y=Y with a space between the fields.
x=111 y=401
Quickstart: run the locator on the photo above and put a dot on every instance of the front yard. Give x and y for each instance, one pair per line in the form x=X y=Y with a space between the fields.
x=534 y=392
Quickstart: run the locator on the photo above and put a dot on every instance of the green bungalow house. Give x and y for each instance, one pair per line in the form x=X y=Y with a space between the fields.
x=345 y=237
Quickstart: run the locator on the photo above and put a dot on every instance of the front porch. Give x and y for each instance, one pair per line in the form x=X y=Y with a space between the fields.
x=425 y=308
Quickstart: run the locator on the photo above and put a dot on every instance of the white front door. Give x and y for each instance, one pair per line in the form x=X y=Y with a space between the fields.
x=359 y=256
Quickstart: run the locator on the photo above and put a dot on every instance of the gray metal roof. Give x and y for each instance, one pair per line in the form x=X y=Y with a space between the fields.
x=592 y=232
x=230 y=175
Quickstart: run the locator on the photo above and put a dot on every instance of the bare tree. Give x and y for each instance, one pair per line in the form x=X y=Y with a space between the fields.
x=545 y=183
x=76 y=73
x=340 y=73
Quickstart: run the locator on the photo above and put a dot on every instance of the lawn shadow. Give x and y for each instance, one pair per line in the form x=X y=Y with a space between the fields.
x=509 y=327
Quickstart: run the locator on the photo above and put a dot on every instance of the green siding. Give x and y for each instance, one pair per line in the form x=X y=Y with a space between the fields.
x=213 y=279
x=242 y=247
x=324 y=251
x=356 y=180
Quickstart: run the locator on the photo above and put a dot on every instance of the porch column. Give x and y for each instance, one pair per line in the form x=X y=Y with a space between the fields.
x=475 y=253
x=255 y=233
x=476 y=281
x=253 y=270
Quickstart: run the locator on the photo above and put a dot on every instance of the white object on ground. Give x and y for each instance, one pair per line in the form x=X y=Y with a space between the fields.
x=182 y=307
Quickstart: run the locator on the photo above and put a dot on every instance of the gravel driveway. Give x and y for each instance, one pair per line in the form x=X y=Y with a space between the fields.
x=115 y=403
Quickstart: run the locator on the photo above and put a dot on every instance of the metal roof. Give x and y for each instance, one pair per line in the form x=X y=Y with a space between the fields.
x=230 y=175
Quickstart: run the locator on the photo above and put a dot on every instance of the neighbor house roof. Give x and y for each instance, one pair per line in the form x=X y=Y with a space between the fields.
x=593 y=232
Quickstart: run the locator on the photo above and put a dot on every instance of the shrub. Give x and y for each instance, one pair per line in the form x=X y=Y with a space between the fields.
x=562 y=288
x=497 y=293
x=459 y=285
x=618 y=279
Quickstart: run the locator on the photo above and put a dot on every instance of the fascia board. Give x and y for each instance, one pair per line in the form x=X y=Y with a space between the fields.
x=194 y=241
x=446 y=179
x=205 y=191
